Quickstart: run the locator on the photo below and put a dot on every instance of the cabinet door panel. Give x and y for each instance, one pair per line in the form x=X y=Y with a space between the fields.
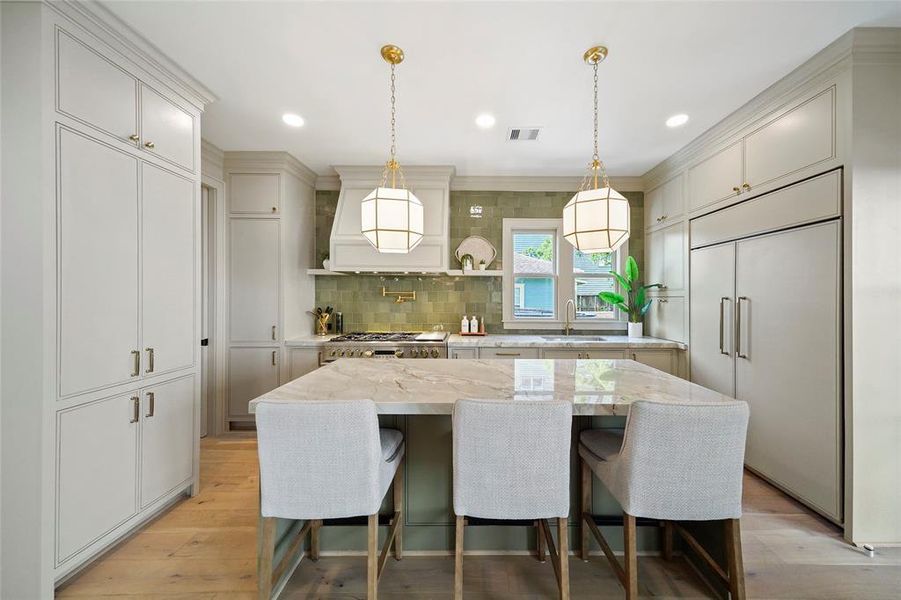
x=92 y=89
x=96 y=471
x=673 y=245
x=464 y=353
x=712 y=307
x=253 y=279
x=303 y=361
x=168 y=127
x=790 y=364
x=167 y=438
x=168 y=257
x=654 y=206
x=583 y=354
x=251 y=373
x=800 y=138
x=98 y=263
x=655 y=258
x=254 y=193
x=662 y=360
x=508 y=352
x=673 y=202
x=666 y=318
x=714 y=178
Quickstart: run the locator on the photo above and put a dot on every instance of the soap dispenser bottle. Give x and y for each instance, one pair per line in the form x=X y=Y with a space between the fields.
x=474 y=324
x=464 y=325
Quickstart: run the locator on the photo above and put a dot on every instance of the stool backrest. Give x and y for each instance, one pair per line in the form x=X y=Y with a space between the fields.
x=683 y=461
x=512 y=459
x=318 y=460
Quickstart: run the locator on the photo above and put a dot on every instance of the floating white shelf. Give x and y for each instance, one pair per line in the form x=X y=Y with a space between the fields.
x=452 y=272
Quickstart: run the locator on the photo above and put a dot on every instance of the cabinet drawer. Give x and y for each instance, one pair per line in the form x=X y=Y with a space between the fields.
x=167 y=130
x=96 y=471
x=508 y=352
x=464 y=353
x=715 y=178
x=582 y=354
x=802 y=137
x=250 y=193
x=94 y=90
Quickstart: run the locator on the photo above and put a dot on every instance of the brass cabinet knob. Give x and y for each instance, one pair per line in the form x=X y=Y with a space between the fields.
x=737 y=190
x=134 y=137
x=746 y=186
x=274 y=209
x=150 y=145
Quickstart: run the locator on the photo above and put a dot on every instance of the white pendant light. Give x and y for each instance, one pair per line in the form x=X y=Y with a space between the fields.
x=392 y=217
x=596 y=219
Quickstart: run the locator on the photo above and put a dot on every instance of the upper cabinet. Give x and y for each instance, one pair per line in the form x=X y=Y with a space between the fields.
x=665 y=203
x=97 y=92
x=94 y=90
x=254 y=193
x=788 y=145
x=166 y=130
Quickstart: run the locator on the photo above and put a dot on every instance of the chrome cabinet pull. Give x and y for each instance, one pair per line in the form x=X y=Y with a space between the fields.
x=151 y=397
x=136 y=370
x=738 y=326
x=723 y=300
x=273 y=358
x=135 y=409
x=273 y=333
x=149 y=352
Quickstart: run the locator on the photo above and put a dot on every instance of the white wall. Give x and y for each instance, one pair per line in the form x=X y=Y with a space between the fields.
x=22 y=312
x=874 y=515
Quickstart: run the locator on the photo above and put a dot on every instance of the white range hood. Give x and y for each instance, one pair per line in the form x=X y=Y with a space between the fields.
x=350 y=251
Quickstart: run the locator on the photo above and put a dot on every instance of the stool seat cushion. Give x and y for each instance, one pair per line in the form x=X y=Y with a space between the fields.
x=603 y=443
x=390 y=439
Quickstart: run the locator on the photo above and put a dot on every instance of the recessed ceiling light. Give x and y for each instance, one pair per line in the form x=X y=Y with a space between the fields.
x=485 y=121
x=292 y=119
x=677 y=120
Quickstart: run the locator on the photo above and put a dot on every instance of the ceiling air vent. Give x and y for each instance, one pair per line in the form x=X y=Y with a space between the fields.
x=523 y=134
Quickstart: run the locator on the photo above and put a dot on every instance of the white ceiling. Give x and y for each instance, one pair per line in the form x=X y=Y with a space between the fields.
x=520 y=61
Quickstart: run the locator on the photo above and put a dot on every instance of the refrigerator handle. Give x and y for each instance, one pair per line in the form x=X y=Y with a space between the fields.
x=738 y=326
x=723 y=300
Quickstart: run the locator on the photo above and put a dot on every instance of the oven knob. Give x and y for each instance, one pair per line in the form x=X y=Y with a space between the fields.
x=350 y=353
x=434 y=353
x=368 y=353
x=332 y=353
x=399 y=353
x=340 y=352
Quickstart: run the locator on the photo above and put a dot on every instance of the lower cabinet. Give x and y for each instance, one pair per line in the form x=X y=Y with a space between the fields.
x=251 y=373
x=664 y=360
x=582 y=354
x=508 y=352
x=464 y=352
x=116 y=456
x=167 y=438
x=303 y=360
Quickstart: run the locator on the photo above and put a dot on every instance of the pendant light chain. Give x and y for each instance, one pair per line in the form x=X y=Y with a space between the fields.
x=596 y=163
x=392 y=167
x=393 y=115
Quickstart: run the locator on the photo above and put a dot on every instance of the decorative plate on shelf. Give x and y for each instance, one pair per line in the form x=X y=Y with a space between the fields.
x=478 y=248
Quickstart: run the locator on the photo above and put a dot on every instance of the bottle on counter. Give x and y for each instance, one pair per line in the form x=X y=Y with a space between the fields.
x=339 y=322
x=464 y=325
x=474 y=324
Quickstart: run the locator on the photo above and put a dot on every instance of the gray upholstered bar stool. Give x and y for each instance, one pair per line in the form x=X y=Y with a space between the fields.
x=511 y=462
x=326 y=460
x=674 y=462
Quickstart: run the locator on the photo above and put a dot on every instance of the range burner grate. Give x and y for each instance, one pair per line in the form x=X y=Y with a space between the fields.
x=392 y=336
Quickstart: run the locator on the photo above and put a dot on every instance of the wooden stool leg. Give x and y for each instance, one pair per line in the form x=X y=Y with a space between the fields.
x=668 y=540
x=399 y=511
x=734 y=559
x=265 y=552
x=563 y=557
x=314 y=539
x=631 y=557
x=458 y=560
x=539 y=536
x=372 y=558
x=585 y=508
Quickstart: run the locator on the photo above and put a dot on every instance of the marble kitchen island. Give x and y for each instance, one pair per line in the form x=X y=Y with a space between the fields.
x=417 y=397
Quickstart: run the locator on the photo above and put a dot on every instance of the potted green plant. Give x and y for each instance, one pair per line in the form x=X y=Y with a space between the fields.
x=635 y=303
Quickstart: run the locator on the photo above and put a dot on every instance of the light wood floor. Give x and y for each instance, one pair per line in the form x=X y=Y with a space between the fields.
x=205 y=549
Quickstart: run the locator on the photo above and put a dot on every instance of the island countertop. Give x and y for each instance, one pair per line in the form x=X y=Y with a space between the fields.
x=431 y=387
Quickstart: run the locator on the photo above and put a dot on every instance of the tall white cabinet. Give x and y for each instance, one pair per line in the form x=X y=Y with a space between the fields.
x=100 y=396
x=766 y=328
x=270 y=245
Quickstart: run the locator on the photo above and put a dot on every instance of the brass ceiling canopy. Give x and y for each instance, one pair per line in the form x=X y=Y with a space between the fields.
x=592 y=56
x=394 y=55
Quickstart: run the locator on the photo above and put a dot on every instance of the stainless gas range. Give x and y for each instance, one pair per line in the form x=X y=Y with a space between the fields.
x=387 y=345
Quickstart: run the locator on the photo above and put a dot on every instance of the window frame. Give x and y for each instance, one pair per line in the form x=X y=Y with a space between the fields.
x=564 y=280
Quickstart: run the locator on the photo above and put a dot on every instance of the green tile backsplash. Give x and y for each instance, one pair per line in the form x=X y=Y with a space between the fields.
x=443 y=300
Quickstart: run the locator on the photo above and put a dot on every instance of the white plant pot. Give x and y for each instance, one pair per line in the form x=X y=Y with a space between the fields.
x=636 y=329
x=326 y=265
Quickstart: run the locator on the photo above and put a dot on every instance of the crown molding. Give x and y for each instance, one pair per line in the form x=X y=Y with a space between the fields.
x=271 y=160
x=101 y=22
x=330 y=183
x=535 y=183
x=876 y=46
x=411 y=173
x=823 y=66
x=212 y=159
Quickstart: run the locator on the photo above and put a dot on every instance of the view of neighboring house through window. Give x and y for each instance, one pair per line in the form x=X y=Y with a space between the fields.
x=542 y=271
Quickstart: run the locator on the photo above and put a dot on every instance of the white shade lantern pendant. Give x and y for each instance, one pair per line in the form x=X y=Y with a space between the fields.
x=596 y=219
x=392 y=217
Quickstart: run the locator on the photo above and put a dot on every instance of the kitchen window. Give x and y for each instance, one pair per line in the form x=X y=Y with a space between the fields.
x=542 y=271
